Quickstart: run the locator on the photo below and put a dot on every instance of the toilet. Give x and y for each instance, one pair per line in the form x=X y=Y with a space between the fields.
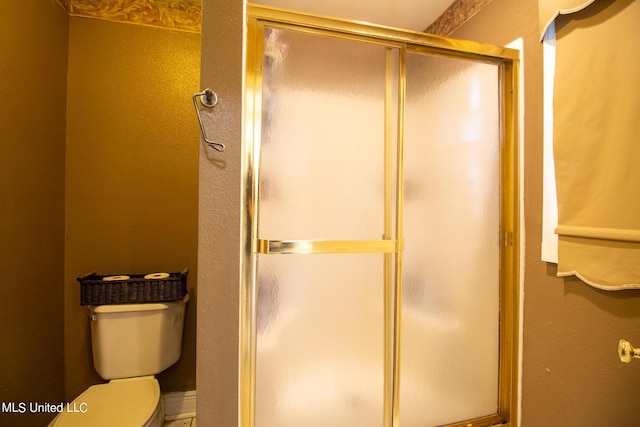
x=131 y=343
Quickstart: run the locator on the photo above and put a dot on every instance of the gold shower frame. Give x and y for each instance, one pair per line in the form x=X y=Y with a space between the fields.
x=251 y=245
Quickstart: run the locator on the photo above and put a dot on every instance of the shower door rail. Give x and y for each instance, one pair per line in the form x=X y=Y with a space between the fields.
x=327 y=246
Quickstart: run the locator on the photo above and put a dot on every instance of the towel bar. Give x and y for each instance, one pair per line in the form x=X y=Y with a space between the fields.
x=209 y=99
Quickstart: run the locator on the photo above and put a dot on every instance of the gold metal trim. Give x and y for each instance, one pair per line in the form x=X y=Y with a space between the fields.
x=258 y=17
x=392 y=58
x=510 y=253
x=488 y=421
x=327 y=246
x=402 y=89
x=249 y=227
x=347 y=28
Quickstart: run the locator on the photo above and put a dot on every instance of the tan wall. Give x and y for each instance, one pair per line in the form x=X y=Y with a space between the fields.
x=131 y=172
x=571 y=372
x=33 y=65
x=219 y=229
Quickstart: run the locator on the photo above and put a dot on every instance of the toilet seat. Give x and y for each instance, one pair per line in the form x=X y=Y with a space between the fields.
x=130 y=402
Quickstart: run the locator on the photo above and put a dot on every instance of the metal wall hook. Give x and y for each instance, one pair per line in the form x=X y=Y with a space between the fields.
x=209 y=99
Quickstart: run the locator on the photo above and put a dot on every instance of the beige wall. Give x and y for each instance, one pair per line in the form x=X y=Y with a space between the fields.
x=131 y=172
x=33 y=65
x=571 y=372
x=219 y=218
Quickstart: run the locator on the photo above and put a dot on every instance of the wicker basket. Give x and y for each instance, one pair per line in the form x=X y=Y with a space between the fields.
x=94 y=290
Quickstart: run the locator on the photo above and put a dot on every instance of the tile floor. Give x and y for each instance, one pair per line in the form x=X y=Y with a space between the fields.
x=183 y=422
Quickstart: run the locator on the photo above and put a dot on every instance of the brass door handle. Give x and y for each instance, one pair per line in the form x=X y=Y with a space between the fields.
x=626 y=352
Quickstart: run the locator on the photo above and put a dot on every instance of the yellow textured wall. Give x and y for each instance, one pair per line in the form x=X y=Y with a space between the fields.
x=33 y=65
x=131 y=172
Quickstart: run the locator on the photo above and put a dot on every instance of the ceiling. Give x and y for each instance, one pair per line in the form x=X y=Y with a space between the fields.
x=414 y=15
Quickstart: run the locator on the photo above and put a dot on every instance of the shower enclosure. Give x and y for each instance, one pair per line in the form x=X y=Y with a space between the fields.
x=380 y=247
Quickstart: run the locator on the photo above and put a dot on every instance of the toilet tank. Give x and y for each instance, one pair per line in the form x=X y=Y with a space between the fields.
x=134 y=340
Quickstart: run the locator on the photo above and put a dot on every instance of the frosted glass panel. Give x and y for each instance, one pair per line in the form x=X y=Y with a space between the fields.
x=450 y=301
x=327 y=170
x=320 y=341
x=323 y=136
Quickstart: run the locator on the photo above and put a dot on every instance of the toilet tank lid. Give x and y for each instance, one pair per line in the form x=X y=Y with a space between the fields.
x=121 y=308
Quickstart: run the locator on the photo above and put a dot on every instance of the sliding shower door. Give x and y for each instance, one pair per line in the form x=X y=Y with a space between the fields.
x=451 y=270
x=376 y=210
x=326 y=171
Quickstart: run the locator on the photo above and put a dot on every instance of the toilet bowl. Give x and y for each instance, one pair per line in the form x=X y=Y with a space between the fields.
x=131 y=343
x=131 y=402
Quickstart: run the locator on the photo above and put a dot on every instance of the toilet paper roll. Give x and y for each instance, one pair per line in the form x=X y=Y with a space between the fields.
x=156 y=276
x=115 y=278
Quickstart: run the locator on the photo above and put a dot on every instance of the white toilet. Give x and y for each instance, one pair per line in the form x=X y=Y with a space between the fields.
x=131 y=343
